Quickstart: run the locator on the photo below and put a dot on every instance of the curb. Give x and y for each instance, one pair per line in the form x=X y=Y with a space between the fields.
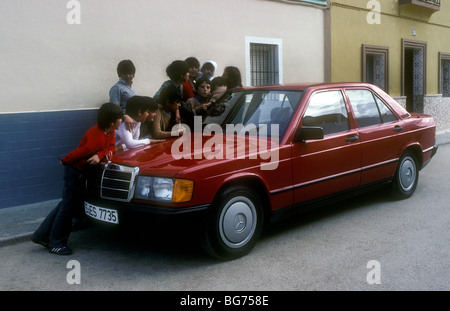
x=16 y=239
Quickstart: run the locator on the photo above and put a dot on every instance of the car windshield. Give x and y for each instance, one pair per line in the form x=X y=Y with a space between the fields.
x=257 y=111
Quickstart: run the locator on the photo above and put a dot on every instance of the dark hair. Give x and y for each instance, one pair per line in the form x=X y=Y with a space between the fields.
x=171 y=93
x=218 y=81
x=208 y=64
x=177 y=69
x=126 y=67
x=202 y=80
x=107 y=114
x=192 y=62
x=140 y=103
x=233 y=77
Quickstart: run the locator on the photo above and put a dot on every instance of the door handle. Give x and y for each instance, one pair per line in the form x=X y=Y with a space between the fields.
x=352 y=139
x=398 y=128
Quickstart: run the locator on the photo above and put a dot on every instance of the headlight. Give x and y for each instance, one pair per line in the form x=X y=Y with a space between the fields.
x=164 y=189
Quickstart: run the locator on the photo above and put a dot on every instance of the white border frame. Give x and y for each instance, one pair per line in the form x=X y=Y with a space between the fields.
x=261 y=40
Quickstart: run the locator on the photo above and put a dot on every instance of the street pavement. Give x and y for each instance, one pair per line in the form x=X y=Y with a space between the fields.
x=18 y=223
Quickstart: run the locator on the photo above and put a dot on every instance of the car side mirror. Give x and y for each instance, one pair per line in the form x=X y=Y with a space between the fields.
x=305 y=133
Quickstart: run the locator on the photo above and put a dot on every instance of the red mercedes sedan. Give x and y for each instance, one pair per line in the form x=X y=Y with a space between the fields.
x=264 y=152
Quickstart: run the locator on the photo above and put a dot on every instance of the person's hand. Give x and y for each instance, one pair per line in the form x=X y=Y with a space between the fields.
x=178 y=127
x=129 y=123
x=177 y=116
x=119 y=148
x=94 y=160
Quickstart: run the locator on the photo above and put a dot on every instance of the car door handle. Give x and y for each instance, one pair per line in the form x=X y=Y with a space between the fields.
x=398 y=128
x=352 y=139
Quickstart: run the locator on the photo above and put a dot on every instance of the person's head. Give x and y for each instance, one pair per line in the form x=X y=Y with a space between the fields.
x=170 y=98
x=178 y=71
x=194 y=66
x=109 y=117
x=140 y=107
x=218 y=82
x=232 y=75
x=203 y=87
x=126 y=71
x=208 y=69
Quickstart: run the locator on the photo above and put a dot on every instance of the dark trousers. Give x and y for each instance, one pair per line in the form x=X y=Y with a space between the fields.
x=57 y=226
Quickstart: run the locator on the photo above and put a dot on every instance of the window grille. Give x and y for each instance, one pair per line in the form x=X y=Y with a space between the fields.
x=445 y=78
x=264 y=64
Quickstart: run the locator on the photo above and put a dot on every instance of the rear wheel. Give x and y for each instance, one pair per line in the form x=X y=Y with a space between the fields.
x=406 y=176
x=234 y=223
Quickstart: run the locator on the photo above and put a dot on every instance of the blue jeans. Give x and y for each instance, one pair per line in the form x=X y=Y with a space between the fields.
x=57 y=226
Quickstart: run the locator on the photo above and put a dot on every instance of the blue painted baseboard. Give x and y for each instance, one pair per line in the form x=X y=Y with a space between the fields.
x=30 y=144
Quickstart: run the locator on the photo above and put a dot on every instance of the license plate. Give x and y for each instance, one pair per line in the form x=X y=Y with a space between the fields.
x=101 y=213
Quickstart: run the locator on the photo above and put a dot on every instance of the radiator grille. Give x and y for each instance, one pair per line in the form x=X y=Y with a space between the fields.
x=118 y=182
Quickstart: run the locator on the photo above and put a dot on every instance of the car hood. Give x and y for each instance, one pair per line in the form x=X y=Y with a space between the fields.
x=173 y=158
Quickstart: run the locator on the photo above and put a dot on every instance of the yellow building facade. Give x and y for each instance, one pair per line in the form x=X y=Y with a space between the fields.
x=403 y=46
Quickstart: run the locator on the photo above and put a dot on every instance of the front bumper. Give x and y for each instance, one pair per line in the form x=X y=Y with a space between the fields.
x=139 y=210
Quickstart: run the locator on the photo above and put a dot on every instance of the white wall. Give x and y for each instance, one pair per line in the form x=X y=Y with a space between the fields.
x=48 y=64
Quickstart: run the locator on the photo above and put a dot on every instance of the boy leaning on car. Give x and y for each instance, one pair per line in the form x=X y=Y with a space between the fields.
x=96 y=144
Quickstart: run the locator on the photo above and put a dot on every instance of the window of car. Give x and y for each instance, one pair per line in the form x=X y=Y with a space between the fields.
x=369 y=109
x=328 y=111
x=386 y=114
x=267 y=107
x=218 y=111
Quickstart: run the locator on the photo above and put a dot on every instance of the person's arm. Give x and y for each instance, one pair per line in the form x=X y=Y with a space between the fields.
x=108 y=148
x=129 y=123
x=114 y=95
x=131 y=140
x=158 y=130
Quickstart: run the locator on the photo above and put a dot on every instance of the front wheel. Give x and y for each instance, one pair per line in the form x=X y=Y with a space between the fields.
x=406 y=176
x=234 y=223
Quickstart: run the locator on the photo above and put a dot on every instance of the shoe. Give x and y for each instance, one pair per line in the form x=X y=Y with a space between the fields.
x=40 y=242
x=60 y=250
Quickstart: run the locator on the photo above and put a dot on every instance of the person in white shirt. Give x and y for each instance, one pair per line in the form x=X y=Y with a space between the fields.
x=140 y=109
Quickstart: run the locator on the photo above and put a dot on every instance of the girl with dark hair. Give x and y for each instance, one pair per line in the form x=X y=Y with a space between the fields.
x=233 y=78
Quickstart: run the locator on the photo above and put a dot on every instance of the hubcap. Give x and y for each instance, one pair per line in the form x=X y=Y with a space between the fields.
x=237 y=222
x=407 y=174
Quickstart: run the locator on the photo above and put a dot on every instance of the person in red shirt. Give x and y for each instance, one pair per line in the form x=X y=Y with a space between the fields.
x=97 y=144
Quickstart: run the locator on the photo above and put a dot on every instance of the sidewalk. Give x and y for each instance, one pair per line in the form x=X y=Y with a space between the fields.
x=18 y=223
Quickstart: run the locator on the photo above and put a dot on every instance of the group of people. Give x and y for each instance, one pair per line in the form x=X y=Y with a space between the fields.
x=190 y=91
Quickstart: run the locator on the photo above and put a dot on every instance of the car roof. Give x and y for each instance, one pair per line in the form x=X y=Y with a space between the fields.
x=303 y=86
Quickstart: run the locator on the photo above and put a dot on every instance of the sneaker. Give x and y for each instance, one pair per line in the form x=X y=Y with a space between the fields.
x=40 y=242
x=60 y=250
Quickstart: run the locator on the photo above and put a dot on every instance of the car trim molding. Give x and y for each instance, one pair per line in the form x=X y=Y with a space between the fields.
x=369 y=167
x=366 y=168
x=314 y=181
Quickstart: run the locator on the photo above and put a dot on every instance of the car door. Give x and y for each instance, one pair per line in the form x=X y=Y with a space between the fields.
x=379 y=131
x=332 y=164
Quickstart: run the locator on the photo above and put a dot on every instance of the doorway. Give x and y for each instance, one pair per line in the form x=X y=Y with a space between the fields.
x=414 y=74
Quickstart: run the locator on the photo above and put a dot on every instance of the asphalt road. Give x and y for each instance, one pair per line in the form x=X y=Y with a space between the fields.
x=369 y=243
